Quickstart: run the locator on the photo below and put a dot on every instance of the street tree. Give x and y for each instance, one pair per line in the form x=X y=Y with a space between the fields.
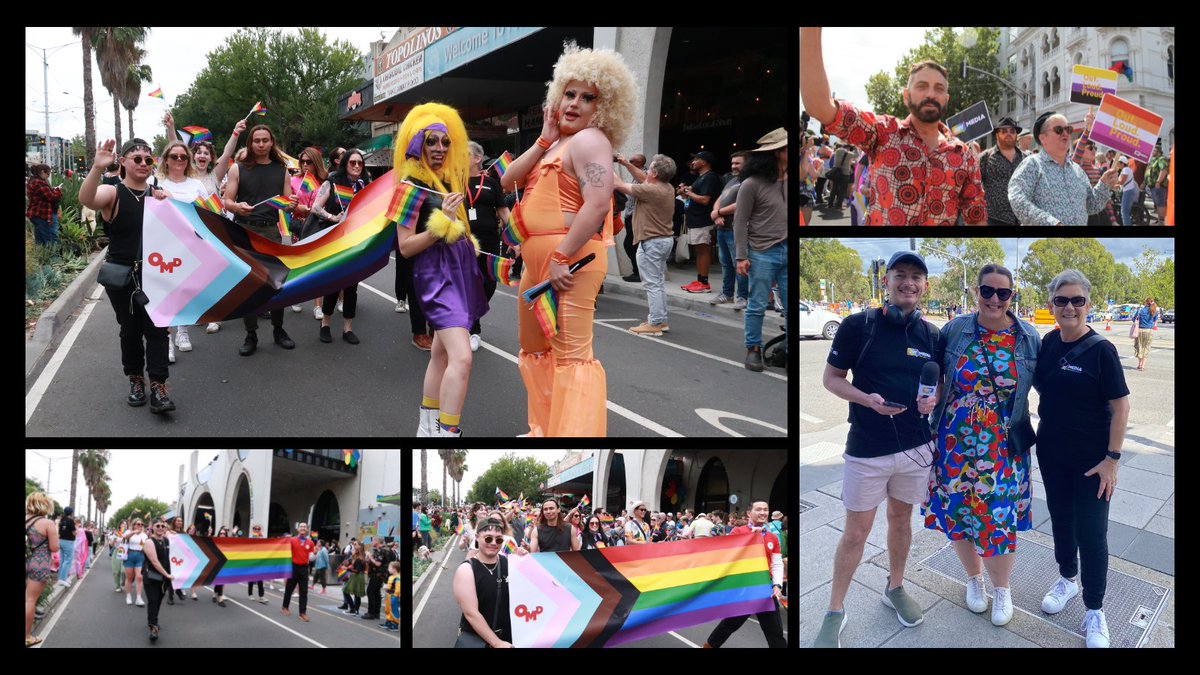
x=87 y=35
x=974 y=252
x=1048 y=257
x=1155 y=277
x=839 y=265
x=513 y=475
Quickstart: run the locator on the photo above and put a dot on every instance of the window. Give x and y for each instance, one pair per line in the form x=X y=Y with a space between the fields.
x=1045 y=86
x=1045 y=44
x=1054 y=38
x=1171 y=64
x=1120 y=53
x=1056 y=83
x=1078 y=58
x=1024 y=97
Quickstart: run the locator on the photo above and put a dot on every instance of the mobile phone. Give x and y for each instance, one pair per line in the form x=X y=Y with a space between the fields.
x=892 y=404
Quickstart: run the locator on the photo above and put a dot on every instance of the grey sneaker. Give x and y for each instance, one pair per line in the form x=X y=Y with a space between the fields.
x=830 y=636
x=720 y=300
x=739 y=304
x=908 y=612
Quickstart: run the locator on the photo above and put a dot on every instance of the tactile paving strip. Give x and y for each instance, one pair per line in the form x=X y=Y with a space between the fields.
x=1131 y=605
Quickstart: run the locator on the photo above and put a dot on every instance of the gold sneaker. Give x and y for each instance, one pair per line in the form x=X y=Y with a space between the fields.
x=647 y=329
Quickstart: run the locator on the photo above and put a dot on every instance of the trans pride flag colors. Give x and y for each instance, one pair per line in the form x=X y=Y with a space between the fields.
x=200 y=561
x=611 y=596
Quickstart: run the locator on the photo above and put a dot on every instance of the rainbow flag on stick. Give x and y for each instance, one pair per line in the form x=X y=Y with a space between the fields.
x=285 y=223
x=545 y=309
x=211 y=202
x=500 y=493
x=258 y=109
x=515 y=233
x=199 y=561
x=611 y=596
x=309 y=184
x=510 y=547
x=157 y=93
x=276 y=202
x=585 y=501
x=344 y=194
x=405 y=205
x=193 y=135
x=501 y=163
x=500 y=269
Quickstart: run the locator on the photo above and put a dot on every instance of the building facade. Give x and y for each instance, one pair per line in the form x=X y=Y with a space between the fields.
x=1041 y=58
x=279 y=488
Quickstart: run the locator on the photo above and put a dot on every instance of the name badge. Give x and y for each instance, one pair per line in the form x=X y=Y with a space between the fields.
x=471 y=215
x=917 y=353
x=1073 y=369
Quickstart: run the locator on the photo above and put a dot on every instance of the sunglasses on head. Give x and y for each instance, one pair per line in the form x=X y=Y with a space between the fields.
x=1077 y=301
x=1003 y=293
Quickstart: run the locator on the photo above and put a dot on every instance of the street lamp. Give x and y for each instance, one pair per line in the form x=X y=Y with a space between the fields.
x=49 y=465
x=46 y=87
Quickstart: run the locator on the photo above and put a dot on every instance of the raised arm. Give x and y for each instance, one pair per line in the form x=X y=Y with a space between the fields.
x=92 y=194
x=814 y=85
x=222 y=166
x=521 y=166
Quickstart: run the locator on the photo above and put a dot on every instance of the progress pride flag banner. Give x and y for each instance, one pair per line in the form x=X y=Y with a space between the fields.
x=1126 y=128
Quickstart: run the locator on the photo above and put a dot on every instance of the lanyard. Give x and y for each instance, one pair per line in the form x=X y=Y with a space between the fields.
x=472 y=199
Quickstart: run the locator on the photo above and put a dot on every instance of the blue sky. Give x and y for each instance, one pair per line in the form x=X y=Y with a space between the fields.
x=1124 y=250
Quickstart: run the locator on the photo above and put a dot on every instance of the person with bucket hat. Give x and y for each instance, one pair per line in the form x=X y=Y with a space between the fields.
x=996 y=166
x=760 y=234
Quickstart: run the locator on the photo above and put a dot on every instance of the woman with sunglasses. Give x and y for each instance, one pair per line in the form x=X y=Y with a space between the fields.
x=310 y=164
x=178 y=177
x=135 y=540
x=979 y=490
x=1048 y=188
x=636 y=530
x=330 y=207
x=1084 y=405
x=594 y=535
x=481 y=590
x=155 y=569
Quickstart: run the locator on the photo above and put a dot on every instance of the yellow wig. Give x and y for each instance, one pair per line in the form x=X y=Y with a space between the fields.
x=456 y=169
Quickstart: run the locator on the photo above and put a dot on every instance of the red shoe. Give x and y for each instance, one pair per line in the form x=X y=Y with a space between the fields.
x=697 y=287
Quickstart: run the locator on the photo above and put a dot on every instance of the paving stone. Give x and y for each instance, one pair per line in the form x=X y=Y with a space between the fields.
x=1147 y=483
x=948 y=625
x=1154 y=551
x=827 y=509
x=1133 y=509
x=817 y=550
x=1163 y=526
x=1163 y=464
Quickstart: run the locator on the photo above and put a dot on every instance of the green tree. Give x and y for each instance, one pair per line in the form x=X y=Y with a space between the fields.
x=141 y=507
x=131 y=90
x=974 y=252
x=1155 y=278
x=298 y=78
x=513 y=475
x=838 y=265
x=946 y=47
x=1048 y=257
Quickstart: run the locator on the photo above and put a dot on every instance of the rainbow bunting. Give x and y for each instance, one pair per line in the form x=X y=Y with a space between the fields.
x=285 y=223
x=406 y=205
x=157 y=93
x=545 y=309
x=351 y=457
x=199 y=561
x=515 y=233
x=502 y=162
x=278 y=202
x=612 y=596
x=500 y=269
x=309 y=184
x=197 y=135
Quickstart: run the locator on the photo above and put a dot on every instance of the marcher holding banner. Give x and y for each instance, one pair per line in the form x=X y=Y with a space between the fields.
x=1050 y=189
x=922 y=174
x=481 y=590
x=769 y=621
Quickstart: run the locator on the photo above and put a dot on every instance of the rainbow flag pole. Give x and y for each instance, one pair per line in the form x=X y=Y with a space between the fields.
x=444 y=194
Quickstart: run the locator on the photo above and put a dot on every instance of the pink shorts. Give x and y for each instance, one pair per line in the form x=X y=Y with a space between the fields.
x=903 y=475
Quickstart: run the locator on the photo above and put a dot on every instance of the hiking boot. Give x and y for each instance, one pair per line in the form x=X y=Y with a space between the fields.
x=830 y=636
x=250 y=344
x=908 y=612
x=159 y=402
x=137 y=391
x=754 y=359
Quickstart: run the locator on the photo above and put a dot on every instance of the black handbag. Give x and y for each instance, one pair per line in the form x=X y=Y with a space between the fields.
x=116 y=276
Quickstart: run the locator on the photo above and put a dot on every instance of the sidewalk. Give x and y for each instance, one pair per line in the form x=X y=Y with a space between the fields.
x=1139 y=602
x=679 y=299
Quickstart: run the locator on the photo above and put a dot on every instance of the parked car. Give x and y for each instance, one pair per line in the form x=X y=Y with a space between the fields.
x=1168 y=316
x=817 y=322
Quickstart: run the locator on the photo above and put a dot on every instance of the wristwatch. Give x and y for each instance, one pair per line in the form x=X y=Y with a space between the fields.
x=1113 y=455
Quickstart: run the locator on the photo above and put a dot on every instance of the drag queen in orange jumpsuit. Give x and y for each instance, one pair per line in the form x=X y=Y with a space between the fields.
x=567 y=211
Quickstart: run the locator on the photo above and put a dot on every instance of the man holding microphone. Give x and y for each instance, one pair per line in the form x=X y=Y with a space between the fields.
x=889 y=449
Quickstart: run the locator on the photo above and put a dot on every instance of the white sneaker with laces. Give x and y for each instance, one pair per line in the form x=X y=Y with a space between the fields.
x=140 y=602
x=1002 y=608
x=1096 y=629
x=429 y=420
x=128 y=599
x=339 y=307
x=317 y=314
x=1055 y=600
x=297 y=309
x=474 y=342
x=170 y=350
x=976 y=596
x=401 y=307
x=182 y=339
x=212 y=327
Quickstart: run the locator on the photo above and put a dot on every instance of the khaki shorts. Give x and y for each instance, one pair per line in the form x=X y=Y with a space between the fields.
x=699 y=235
x=867 y=481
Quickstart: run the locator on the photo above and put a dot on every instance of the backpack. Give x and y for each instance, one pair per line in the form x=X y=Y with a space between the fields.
x=873 y=316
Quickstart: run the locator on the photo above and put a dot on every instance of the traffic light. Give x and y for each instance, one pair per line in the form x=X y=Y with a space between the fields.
x=79 y=160
x=41 y=140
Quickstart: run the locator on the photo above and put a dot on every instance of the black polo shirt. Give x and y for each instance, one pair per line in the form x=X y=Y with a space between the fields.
x=1074 y=400
x=891 y=368
x=484 y=198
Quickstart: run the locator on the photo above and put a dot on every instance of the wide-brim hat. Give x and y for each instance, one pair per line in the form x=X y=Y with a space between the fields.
x=1007 y=122
x=772 y=141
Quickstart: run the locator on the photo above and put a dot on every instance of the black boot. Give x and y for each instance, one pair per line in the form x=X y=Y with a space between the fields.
x=326 y=335
x=159 y=403
x=754 y=360
x=250 y=345
x=282 y=339
x=137 y=391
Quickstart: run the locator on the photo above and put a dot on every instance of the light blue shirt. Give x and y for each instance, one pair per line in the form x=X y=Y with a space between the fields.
x=1043 y=192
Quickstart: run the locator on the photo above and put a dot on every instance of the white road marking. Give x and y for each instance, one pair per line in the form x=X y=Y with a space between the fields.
x=686 y=641
x=714 y=417
x=270 y=620
x=377 y=292
x=34 y=397
x=428 y=591
x=98 y=292
x=689 y=350
x=810 y=419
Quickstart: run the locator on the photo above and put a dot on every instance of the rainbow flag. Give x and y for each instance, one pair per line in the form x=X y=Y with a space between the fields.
x=612 y=596
x=228 y=272
x=502 y=162
x=197 y=135
x=278 y=202
x=258 y=109
x=500 y=269
x=406 y=205
x=157 y=93
x=343 y=576
x=605 y=518
x=345 y=194
x=285 y=223
x=585 y=501
x=515 y=233
x=500 y=493
x=309 y=184
x=510 y=547
x=545 y=309
x=199 y=561
x=211 y=202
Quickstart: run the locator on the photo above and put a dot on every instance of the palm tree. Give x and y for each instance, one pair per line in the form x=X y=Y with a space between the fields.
x=116 y=49
x=445 y=455
x=131 y=93
x=458 y=468
x=424 y=482
x=74 y=475
x=87 y=35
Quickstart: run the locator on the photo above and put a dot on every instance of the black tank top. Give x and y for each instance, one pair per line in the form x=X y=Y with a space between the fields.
x=125 y=231
x=487 y=595
x=162 y=550
x=553 y=539
x=257 y=182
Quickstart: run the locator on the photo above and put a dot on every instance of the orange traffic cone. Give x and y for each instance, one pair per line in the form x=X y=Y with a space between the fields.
x=1108 y=324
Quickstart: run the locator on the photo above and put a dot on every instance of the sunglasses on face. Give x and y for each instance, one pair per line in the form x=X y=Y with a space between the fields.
x=492 y=540
x=354 y=162
x=305 y=160
x=141 y=159
x=178 y=158
x=433 y=142
x=1003 y=293
x=1077 y=301
x=1060 y=129
x=1006 y=130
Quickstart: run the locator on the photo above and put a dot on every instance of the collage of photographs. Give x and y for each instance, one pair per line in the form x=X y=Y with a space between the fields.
x=606 y=235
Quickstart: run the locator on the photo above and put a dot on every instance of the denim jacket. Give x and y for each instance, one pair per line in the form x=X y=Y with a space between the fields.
x=957 y=336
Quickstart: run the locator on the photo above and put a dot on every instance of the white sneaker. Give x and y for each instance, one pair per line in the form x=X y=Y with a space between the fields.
x=317 y=314
x=339 y=307
x=170 y=350
x=212 y=327
x=1064 y=589
x=429 y=420
x=976 y=596
x=474 y=342
x=1096 y=629
x=140 y=602
x=442 y=432
x=739 y=304
x=297 y=309
x=128 y=599
x=183 y=339
x=401 y=307
x=720 y=299
x=1001 y=606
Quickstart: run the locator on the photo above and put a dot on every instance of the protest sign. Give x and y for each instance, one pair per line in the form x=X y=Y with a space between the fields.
x=971 y=123
x=1089 y=85
x=1126 y=128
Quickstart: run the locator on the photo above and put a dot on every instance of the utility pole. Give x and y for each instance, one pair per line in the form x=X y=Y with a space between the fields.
x=46 y=93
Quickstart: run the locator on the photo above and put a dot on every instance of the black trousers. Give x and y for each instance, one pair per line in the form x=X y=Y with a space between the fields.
x=299 y=576
x=405 y=291
x=251 y=320
x=837 y=191
x=250 y=588
x=155 y=592
x=349 y=305
x=374 y=596
x=137 y=327
x=770 y=623
x=1080 y=523
x=489 y=284
x=630 y=247
x=354 y=603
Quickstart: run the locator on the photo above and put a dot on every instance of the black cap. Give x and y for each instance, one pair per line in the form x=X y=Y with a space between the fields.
x=1041 y=120
x=133 y=143
x=706 y=156
x=909 y=257
x=492 y=523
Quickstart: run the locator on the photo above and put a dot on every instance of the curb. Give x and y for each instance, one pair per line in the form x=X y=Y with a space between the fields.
x=419 y=584
x=52 y=320
x=690 y=302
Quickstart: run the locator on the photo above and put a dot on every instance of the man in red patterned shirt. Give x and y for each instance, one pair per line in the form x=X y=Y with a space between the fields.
x=921 y=174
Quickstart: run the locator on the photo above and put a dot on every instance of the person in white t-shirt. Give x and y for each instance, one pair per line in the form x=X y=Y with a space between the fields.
x=1129 y=189
x=636 y=530
x=177 y=177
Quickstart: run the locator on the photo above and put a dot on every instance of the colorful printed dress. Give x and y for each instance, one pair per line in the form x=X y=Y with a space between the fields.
x=979 y=491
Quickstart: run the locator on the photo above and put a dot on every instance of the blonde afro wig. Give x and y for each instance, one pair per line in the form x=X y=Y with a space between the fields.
x=606 y=70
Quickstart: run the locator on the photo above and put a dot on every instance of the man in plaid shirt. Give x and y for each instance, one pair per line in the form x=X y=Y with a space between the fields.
x=43 y=201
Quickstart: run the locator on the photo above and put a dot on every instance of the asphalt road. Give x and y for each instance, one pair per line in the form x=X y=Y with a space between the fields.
x=691 y=382
x=436 y=618
x=93 y=615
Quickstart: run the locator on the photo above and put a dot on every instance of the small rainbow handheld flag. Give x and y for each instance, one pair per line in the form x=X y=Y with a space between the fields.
x=258 y=109
x=285 y=223
x=278 y=202
x=545 y=309
x=405 y=205
x=211 y=202
x=500 y=269
x=502 y=162
x=500 y=493
x=344 y=193
x=343 y=575
x=510 y=547
x=309 y=184
x=198 y=135
x=585 y=501
x=157 y=93
x=515 y=233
